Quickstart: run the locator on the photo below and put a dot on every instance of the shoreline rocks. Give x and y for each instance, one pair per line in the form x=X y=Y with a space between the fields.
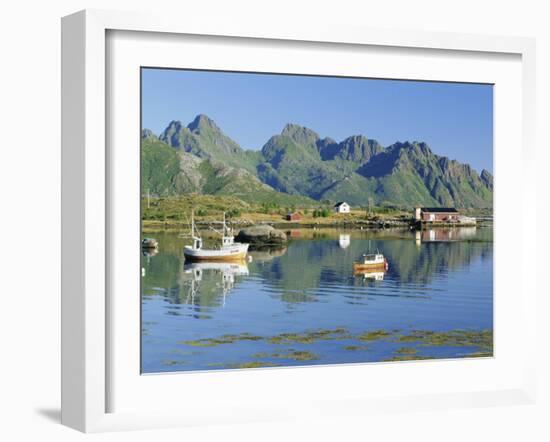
x=261 y=235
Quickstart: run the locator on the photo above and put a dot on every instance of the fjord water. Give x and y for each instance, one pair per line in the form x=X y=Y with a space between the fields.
x=302 y=304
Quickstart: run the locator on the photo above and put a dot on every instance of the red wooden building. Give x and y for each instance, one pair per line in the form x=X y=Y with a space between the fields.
x=293 y=216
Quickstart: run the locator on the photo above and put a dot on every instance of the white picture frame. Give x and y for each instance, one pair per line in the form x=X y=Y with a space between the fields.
x=87 y=229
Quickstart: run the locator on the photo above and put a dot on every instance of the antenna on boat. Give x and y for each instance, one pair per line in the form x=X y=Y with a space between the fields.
x=226 y=229
x=194 y=230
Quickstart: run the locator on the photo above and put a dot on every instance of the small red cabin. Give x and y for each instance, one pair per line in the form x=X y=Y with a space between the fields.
x=293 y=216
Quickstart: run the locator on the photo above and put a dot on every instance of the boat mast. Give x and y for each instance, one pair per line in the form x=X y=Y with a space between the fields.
x=197 y=241
x=224 y=230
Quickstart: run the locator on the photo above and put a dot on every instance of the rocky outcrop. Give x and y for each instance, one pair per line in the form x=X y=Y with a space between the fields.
x=487 y=178
x=261 y=235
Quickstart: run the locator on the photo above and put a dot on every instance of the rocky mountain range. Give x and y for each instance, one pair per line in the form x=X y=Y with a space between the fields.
x=298 y=167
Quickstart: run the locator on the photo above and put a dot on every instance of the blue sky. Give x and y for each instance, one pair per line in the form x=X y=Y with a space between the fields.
x=455 y=119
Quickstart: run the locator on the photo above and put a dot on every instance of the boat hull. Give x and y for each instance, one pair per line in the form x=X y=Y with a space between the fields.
x=374 y=267
x=233 y=253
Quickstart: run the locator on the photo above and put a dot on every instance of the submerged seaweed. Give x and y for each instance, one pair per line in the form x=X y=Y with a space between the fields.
x=224 y=339
x=481 y=342
x=406 y=351
x=311 y=336
x=252 y=364
x=397 y=358
x=374 y=335
x=453 y=338
x=355 y=347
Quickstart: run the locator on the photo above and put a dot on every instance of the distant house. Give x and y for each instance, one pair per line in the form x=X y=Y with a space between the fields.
x=293 y=216
x=342 y=207
x=437 y=214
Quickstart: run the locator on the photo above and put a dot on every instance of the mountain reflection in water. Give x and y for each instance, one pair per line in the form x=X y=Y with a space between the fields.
x=435 y=281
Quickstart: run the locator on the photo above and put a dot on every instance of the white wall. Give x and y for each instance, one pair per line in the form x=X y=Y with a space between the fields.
x=30 y=181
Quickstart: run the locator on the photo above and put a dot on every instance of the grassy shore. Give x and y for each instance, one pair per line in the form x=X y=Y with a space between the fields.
x=173 y=213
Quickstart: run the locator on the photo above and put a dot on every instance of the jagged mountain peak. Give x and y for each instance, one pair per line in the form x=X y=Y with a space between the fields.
x=202 y=121
x=356 y=139
x=327 y=141
x=299 y=162
x=409 y=145
x=148 y=133
x=300 y=134
x=485 y=174
x=174 y=125
x=171 y=135
x=202 y=138
x=487 y=178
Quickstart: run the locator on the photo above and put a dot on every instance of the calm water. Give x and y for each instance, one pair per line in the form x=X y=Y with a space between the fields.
x=302 y=305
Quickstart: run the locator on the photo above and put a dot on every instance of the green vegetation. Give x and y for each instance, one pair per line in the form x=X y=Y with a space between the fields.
x=160 y=168
x=160 y=213
x=321 y=213
x=297 y=167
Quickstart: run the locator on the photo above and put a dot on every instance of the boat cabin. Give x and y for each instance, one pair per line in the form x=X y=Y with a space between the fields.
x=228 y=241
x=373 y=258
x=197 y=243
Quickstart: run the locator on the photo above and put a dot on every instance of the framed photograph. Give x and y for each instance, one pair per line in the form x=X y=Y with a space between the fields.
x=266 y=223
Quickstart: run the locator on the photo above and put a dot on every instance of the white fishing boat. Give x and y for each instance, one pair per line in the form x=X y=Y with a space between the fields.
x=229 y=250
x=371 y=262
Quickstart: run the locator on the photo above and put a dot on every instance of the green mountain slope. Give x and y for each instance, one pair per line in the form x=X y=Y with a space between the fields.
x=297 y=163
x=167 y=171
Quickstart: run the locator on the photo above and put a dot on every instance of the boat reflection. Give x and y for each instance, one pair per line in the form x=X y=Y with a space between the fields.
x=149 y=252
x=225 y=271
x=370 y=275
